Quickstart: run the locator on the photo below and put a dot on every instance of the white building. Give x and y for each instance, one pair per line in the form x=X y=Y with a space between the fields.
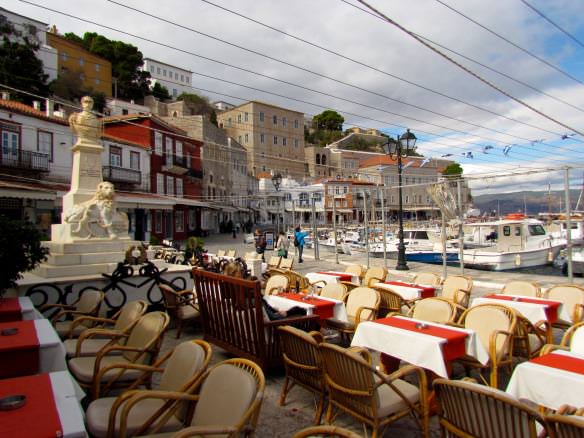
x=175 y=79
x=222 y=105
x=117 y=107
x=36 y=32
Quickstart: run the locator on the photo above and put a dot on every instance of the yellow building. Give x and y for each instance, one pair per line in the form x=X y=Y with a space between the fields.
x=95 y=72
x=273 y=137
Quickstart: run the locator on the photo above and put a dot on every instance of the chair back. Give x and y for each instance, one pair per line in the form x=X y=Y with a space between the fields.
x=89 y=302
x=286 y=264
x=221 y=253
x=565 y=426
x=146 y=334
x=427 y=279
x=302 y=356
x=362 y=297
x=434 y=309
x=274 y=282
x=334 y=431
x=129 y=314
x=356 y=270
x=577 y=340
x=457 y=288
x=230 y=253
x=473 y=410
x=573 y=298
x=274 y=262
x=230 y=395
x=336 y=291
x=375 y=274
x=485 y=319
x=523 y=288
x=389 y=301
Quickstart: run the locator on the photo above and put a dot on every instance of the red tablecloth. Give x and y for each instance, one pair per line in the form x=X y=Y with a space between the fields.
x=560 y=361
x=342 y=277
x=453 y=348
x=19 y=353
x=551 y=307
x=323 y=308
x=10 y=310
x=38 y=418
x=426 y=291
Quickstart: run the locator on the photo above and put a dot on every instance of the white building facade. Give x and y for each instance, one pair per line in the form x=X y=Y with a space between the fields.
x=175 y=79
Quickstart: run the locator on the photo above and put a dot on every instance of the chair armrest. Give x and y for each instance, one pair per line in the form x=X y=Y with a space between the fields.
x=98 y=373
x=400 y=374
x=55 y=306
x=291 y=320
x=350 y=284
x=361 y=310
x=548 y=348
x=493 y=342
x=90 y=333
x=205 y=430
x=317 y=282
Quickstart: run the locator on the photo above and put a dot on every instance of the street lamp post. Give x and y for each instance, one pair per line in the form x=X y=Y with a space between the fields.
x=395 y=150
x=277 y=181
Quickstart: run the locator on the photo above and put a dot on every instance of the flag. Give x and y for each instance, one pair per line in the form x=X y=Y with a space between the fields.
x=487 y=148
x=408 y=164
x=506 y=150
x=467 y=155
x=425 y=161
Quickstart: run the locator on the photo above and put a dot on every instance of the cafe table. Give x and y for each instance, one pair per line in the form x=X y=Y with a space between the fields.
x=428 y=345
x=332 y=277
x=34 y=348
x=18 y=309
x=408 y=291
x=52 y=407
x=551 y=380
x=321 y=306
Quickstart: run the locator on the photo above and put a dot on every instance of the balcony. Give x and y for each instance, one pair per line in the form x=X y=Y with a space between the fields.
x=121 y=175
x=194 y=173
x=175 y=164
x=24 y=160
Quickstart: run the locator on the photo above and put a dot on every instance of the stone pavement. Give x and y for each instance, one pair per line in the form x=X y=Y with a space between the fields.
x=282 y=421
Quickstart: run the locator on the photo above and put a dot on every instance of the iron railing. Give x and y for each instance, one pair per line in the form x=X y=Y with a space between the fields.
x=28 y=160
x=122 y=175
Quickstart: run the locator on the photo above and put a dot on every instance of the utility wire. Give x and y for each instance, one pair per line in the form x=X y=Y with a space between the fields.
x=470 y=72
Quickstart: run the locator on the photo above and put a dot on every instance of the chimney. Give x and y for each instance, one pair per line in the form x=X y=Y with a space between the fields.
x=36 y=104
x=5 y=95
x=50 y=107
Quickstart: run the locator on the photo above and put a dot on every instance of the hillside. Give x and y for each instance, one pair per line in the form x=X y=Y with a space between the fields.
x=534 y=202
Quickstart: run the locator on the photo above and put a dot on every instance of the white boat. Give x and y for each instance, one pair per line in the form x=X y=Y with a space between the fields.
x=422 y=245
x=512 y=244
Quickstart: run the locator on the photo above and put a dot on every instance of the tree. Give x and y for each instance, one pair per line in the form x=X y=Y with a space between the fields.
x=19 y=66
x=20 y=250
x=199 y=105
x=452 y=170
x=328 y=120
x=69 y=86
x=160 y=92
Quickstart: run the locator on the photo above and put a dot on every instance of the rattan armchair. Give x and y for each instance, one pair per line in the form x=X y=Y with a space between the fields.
x=230 y=253
x=228 y=401
x=303 y=365
x=180 y=305
x=468 y=409
x=275 y=282
x=92 y=340
x=428 y=279
x=434 y=309
x=572 y=297
x=566 y=426
x=356 y=387
x=362 y=305
x=529 y=338
x=356 y=270
x=457 y=288
x=271 y=266
x=573 y=340
x=332 y=431
x=87 y=304
x=336 y=291
x=495 y=326
x=522 y=288
x=109 y=369
x=390 y=301
x=136 y=411
x=375 y=274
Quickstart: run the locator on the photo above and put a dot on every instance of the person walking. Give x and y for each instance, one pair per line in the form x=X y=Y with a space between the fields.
x=299 y=236
x=282 y=245
x=260 y=242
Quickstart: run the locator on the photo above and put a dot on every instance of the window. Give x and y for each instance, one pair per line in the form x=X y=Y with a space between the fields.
x=239 y=139
x=164 y=72
x=82 y=76
x=182 y=78
x=158 y=221
x=157 y=70
x=97 y=81
x=176 y=76
x=262 y=138
x=317 y=158
x=45 y=144
x=275 y=120
x=275 y=139
x=296 y=143
x=246 y=138
x=64 y=56
x=179 y=187
x=296 y=123
x=151 y=69
x=262 y=115
x=168 y=149
x=134 y=160
x=179 y=149
x=124 y=112
x=169 y=185
x=538 y=230
x=239 y=118
x=284 y=121
x=323 y=160
x=407 y=199
x=229 y=122
x=98 y=67
x=245 y=117
x=115 y=156
x=284 y=141
x=174 y=92
x=187 y=78
x=179 y=221
x=81 y=62
x=160 y=184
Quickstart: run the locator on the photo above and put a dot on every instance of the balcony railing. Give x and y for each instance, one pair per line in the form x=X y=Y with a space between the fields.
x=122 y=175
x=175 y=164
x=25 y=160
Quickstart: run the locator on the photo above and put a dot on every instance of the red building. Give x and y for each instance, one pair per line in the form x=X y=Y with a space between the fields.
x=175 y=171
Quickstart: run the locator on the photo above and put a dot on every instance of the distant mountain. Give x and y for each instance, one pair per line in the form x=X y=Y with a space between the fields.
x=532 y=202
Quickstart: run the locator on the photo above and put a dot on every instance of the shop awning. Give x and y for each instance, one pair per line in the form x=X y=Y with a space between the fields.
x=146 y=201
x=27 y=191
x=193 y=203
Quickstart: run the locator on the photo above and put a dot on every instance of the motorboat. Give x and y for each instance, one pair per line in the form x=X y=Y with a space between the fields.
x=511 y=243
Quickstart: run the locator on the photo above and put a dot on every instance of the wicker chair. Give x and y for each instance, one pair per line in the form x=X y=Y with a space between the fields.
x=529 y=338
x=468 y=409
x=428 y=279
x=272 y=266
x=275 y=282
x=434 y=309
x=180 y=305
x=495 y=326
x=221 y=253
x=336 y=291
x=522 y=288
x=230 y=253
x=87 y=304
x=457 y=288
x=92 y=340
x=390 y=301
x=373 y=275
x=566 y=426
x=136 y=411
x=362 y=305
x=316 y=431
x=573 y=298
x=107 y=369
x=228 y=400
x=303 y=365
x=356 y=270
x=356 y=387
x=573 y=340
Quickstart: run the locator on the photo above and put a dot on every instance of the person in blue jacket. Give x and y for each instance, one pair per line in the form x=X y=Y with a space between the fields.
x=299 y=238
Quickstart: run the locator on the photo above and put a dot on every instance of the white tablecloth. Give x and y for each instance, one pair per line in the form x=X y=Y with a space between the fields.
x=531 y=311
x=415 y=347
x=316 y=276
x=547 y=386
x=68 y=394
x=29 y=311
x=282 y=303
x=52 y=351
x=407 y=293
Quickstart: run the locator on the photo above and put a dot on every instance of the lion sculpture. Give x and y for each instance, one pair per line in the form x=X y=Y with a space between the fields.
x=98 y=217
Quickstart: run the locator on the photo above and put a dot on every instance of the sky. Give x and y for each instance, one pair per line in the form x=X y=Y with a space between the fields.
x=461 y=116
